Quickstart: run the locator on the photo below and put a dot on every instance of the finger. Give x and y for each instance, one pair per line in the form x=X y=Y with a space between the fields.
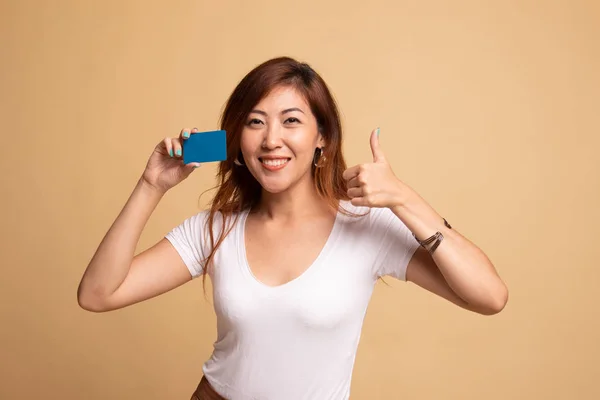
x=176 y=143
x=193 y=165
x=185 y=133
x=351 y=172
x=189 y=168
x=353 y=182
x=375 y=148
x=355 y=192
x=168 y=146
x=359 y=202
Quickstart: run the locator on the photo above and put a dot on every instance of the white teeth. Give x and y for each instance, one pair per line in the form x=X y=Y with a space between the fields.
x=275 y=163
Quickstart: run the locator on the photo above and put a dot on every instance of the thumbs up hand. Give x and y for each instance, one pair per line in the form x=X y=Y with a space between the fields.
x=374 y=184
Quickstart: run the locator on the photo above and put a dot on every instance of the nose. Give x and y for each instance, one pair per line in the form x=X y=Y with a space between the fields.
x=272 y=139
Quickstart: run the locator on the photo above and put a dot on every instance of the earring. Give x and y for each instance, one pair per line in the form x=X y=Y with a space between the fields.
x=319 y=159
x=237 y=160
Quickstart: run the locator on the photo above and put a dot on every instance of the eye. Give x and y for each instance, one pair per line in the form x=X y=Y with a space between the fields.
x=292 y=120
x=254 y=121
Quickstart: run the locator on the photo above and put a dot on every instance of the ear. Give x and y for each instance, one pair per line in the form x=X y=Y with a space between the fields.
x=321 y=141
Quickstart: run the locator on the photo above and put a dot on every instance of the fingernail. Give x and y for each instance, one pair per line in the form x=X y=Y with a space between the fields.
x=186 y=134
x=178 y=152
x=377 y=132
x=171 y=152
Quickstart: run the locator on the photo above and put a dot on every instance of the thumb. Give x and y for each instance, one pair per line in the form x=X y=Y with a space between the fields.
x=375 y=148
x=190 y=167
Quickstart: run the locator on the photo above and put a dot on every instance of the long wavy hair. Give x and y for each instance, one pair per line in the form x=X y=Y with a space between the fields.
x=238 y=190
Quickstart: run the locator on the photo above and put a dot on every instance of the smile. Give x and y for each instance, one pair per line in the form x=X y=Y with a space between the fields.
x=274 y=164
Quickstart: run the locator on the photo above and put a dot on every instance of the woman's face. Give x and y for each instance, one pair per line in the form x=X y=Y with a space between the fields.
x=279 y=140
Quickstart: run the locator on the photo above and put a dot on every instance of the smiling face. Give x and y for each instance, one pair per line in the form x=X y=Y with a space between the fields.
x=279 y=139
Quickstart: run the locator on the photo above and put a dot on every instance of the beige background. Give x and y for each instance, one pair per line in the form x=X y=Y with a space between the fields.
x=488 y=109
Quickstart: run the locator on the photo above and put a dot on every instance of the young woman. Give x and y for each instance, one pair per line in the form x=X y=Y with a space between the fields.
x=293 y=243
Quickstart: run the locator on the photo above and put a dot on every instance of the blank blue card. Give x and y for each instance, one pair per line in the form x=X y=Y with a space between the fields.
x=205 y=147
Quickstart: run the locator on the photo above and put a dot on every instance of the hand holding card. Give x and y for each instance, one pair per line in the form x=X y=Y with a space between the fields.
x=174 y=158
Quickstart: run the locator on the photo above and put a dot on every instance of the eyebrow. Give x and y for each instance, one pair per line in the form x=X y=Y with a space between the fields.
x=288 y=110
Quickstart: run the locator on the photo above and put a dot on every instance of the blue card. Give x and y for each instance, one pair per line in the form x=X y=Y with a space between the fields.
x=205 y=147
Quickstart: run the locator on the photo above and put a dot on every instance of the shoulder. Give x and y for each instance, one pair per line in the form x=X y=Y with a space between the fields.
x=375 y=226
x=195 y=221
x=373 y=217
x=351 y=213
x=195 y=233
x=202 y=220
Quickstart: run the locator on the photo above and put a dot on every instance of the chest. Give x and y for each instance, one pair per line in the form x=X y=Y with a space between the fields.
x=309 y=281
x=279 y=253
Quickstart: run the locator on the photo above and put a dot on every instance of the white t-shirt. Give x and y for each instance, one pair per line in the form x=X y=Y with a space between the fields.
x=298 y=340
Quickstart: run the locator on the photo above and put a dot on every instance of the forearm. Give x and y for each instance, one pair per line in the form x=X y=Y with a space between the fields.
x=466 y=269
x=110 y=264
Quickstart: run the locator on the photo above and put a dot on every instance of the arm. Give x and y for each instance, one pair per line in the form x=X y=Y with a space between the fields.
x=458 y=270
x=115 y=278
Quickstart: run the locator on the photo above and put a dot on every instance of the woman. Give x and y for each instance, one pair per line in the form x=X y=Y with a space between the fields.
x=293 y=242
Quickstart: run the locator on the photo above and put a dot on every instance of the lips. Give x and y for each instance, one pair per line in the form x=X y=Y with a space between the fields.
x=274 y=163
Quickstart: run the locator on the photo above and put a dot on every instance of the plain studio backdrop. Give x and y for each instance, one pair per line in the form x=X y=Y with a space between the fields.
x=487 y=109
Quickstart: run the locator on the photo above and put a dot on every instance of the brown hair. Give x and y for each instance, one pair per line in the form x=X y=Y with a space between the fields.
x=237 y=188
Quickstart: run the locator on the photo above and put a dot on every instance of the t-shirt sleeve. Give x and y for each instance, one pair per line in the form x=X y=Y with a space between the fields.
x=188 y=239
x=396 y=244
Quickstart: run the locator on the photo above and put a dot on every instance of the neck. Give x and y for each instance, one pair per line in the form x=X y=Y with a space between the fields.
x=296 y=202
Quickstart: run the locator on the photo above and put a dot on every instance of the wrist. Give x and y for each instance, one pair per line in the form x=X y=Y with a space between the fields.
x=400 y=197
x=149 y=189
x=404 y=199
x=419 y=216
